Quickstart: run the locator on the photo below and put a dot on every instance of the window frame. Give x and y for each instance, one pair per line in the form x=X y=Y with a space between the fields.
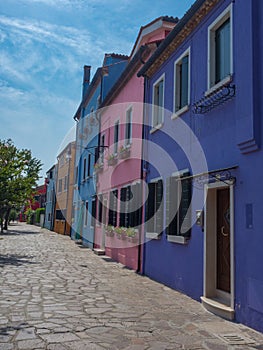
x=159 y=124
x=177 y=84
x=60 y=185
x=128 y=126
x=211 y=52
x=160 y=211
x=86 y=215
x=116 y=142
x=177 y=237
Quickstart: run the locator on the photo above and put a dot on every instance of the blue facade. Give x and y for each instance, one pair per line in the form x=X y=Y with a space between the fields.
x=84 y=200
x=50 y=198
x=228 y=133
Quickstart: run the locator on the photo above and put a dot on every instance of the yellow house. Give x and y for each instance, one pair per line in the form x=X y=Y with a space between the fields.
x=64 y=189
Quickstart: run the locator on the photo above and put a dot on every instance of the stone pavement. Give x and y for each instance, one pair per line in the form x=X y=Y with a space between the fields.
x=56 y=295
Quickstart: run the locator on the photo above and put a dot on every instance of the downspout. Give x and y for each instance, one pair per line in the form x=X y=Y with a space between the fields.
x=141 y=247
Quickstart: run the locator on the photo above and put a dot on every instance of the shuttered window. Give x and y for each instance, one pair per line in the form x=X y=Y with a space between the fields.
x=112 y=220
x=158 y=102
x=182 y=81
x=154 y=207
x=93 y=212
x=178 y=199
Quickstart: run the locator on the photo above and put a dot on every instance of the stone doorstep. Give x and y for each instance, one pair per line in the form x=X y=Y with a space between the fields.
x=99 y=251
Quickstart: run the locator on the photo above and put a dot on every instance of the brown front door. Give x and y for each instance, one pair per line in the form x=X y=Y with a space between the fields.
x=223 y=240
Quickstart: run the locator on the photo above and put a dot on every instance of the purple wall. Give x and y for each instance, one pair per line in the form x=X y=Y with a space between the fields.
x=229 y=135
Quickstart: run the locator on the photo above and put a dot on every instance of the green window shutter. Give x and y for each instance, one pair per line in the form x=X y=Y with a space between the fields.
x=127 y=207
x=184 y=214
x=150 y=207
x=159 y=206
x=184 y=82
x=122 y=211
x=171 y=206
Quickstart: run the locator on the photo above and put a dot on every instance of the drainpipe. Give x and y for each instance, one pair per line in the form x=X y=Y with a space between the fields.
x=141 y=247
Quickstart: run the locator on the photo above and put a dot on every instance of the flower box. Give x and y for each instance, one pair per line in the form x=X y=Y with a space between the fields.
x=124 y=152
x=112 y=160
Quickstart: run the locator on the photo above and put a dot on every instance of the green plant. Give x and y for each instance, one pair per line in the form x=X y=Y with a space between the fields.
x=30 y=216
x=39 y=211
x=120 y=230
x=111 y=156
x=13 y=215
x=98 y=165
x=109 y=228
x=131 y=232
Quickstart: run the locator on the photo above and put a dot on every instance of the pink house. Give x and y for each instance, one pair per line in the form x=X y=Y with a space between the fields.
x=119 y=232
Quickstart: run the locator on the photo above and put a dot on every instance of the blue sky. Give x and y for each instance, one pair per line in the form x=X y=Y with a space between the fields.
x=44 y=45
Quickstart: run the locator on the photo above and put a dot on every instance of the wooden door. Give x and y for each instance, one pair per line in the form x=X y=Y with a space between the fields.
x=223 y=240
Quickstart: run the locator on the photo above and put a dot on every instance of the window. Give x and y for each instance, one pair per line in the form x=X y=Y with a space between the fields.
x=89 y=161
x=131 y=205
x=220 y=48
x=84 y=168
x=100 y=208
x=154 y=207
x=93 y=212
x=128 y=127
x=66 y=183
x=60 y=185
x=60 y=214
x=86 y=214
x=102 y=144
x=178 y=199
x=49 y=217
x=112 y=220
x=76 y=174
x=116 y=136
x=182 y=78
x=125 y=216
x=158 y=102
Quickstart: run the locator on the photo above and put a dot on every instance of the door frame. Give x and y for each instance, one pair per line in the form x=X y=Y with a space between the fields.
x=217 y=301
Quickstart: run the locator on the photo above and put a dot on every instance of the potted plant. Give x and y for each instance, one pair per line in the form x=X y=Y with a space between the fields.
x=132 y=234
x=124 y=152
x=112 y=159
x=120 y=232
x=109 y=231
x=98 y=167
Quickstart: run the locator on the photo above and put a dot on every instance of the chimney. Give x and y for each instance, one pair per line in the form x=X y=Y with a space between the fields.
x=86 y=79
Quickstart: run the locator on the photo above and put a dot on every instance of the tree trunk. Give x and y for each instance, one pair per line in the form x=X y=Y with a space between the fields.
x=7 y=218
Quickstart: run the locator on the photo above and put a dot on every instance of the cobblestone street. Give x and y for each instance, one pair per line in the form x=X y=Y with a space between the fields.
x=57 y=295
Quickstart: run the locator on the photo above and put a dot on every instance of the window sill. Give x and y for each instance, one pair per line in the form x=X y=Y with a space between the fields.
x=153 y=235
x=180 y=112
x=223 y=82
x=155 y=128
x=177 y=239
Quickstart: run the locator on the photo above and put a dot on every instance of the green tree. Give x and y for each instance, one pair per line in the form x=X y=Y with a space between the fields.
x=19 y=173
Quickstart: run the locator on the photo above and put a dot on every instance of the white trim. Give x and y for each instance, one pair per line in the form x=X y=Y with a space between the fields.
x=177 y=113
x=157 y=127
x=180 y=172
x=220 y=84
x=180 y=112
x=129 y=109
x=152 y=235
x=219 y=302
x=177 y=239
x=162 y=77
x=227 y=13
x=156 y=179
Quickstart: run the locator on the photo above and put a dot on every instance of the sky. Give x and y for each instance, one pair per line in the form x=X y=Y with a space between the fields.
x=44 y=45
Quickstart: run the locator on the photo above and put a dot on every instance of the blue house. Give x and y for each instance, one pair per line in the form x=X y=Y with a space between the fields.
x=203 y=159
x=87 y=150
x=50 y=198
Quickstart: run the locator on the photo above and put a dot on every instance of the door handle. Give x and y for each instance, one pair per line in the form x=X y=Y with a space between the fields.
x=222 y=231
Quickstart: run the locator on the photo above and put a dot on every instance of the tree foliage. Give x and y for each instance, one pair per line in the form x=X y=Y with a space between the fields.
x=19 y=173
